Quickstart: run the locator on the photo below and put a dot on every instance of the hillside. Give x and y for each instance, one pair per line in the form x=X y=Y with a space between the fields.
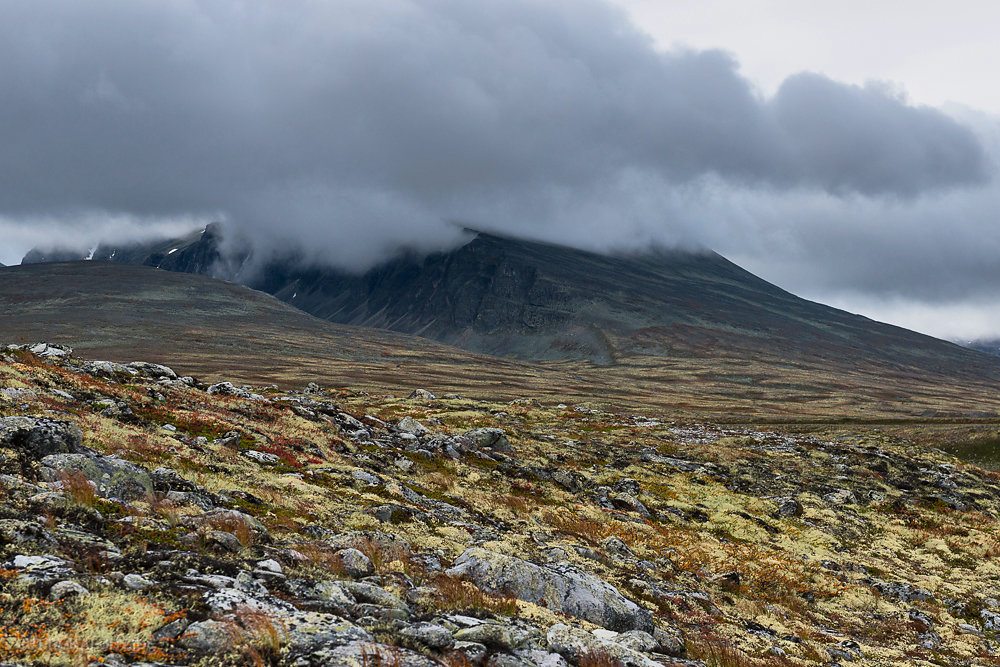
x=123 y=312
x=538 y=301
x=692 y=333
x=150 y=518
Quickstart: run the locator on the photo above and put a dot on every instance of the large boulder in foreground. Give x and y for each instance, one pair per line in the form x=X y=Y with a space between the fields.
x=34 y=438
x=560 y=587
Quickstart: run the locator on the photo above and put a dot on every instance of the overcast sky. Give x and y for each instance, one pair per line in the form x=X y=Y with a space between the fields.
x=845 y=151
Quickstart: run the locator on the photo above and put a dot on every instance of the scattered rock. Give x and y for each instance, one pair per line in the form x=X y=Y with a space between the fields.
x=65 y=589
x=572 y=642
x=113 y=477
x=422 y=394
x=35 y=438
x=488 y=438
x=431 y=635
x=560 y=587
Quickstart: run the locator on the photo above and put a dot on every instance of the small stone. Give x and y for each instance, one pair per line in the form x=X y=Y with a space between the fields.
x=422 y=394
x=474 y=651
x=65 y=589
x=270 y=565
x=137 y=582
x=355 y=563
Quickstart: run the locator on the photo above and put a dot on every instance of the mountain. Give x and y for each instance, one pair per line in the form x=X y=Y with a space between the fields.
x=197 y=252
x=689 y=330
x=216 y=328
x=538 y=301
x=989 y=346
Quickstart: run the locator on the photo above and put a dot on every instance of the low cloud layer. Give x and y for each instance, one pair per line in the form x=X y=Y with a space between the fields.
x=346 y=130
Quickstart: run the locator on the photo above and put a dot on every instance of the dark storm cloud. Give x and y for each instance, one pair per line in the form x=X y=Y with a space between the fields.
x=865 y=139
x=345 y=130
x=355 y=126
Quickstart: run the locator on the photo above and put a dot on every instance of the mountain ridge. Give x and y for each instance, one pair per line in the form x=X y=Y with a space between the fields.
x=532 y=300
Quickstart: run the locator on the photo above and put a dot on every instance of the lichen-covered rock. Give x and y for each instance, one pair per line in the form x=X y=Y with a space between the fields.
x=112 y=476
x=209 y=636
x=412 y=426
x=488 y=438
x=560 y=587
x=34 y=438
x=430 y=635
x=355 y=563
x=572 y=642
x=366 y=653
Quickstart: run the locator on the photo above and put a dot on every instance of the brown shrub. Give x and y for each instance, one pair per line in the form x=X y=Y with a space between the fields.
x=78 y=488
x=457 y=595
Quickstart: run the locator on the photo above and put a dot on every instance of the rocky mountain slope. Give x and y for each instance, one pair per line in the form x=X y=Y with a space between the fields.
x=150 y=518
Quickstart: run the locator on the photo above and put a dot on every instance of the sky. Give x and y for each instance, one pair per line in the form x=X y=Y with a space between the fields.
x=845 y=151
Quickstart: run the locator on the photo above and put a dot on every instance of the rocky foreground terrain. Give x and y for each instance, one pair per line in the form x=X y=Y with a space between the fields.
x=148 y=518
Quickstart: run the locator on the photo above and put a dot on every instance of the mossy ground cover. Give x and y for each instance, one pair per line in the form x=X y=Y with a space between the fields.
x=707 y=549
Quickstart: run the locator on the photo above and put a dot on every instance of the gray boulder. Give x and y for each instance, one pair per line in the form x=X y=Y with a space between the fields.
x=34 y=437
x=430 y=635
x=412 y=426
x=113 y=477
x=572 y=642
x=366 y=653
x=155 y=371
x=488 y=438
x=210 y=636
x=560 y=587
